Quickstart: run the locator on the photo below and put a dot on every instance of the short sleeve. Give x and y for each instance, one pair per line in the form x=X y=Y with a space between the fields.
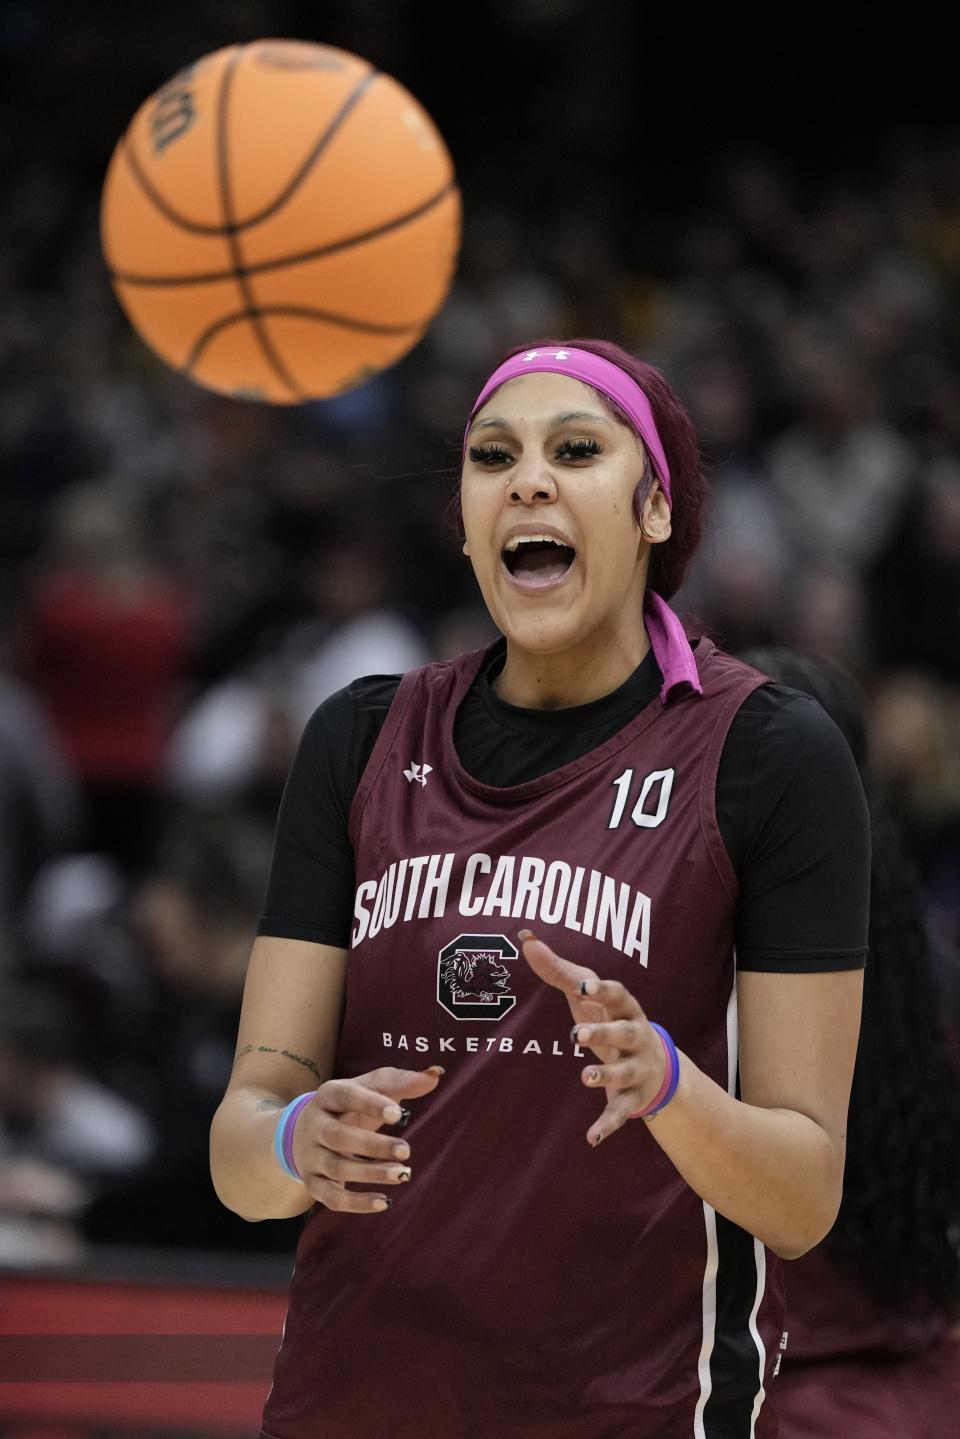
x=311 y=884
x=804 y=866
x=310 y=888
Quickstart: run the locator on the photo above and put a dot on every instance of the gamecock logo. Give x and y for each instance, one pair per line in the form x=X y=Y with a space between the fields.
x=473 y=981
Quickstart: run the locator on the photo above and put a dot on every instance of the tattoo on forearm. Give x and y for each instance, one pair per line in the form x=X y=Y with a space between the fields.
x=267 y=1049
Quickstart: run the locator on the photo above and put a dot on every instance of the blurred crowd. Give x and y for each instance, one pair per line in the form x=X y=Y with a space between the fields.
x=184 y=577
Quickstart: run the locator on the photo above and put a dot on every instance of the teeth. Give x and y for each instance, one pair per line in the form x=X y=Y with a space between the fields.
x=519 y=540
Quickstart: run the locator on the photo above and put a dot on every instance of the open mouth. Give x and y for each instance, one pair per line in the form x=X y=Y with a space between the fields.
x=537 y=560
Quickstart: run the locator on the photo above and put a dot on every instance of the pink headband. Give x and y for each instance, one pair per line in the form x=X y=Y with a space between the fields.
x=604 y=376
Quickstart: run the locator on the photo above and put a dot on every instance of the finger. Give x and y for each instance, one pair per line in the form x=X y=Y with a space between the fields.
x=347 y=1201
x=375 y=1095
x=573 y=980
x=348 y=1138
x=389 y=1081
x=617 y=1000
x=621 y=1104
x=628 y=1073
x=628 y=1035
x=399 y=1084
x=631 y=1084
x=344 y=1169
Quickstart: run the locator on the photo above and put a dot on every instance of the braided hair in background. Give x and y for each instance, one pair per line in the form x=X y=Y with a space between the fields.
x=898 y=1231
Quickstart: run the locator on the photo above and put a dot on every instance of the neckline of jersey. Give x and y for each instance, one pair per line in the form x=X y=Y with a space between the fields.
x=499 y=797
x=638 y=690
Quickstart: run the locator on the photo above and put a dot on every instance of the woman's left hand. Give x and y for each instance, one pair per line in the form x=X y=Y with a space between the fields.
x=610 y=1022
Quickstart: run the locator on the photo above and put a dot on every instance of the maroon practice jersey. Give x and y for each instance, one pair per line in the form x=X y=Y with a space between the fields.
x=525 y=1284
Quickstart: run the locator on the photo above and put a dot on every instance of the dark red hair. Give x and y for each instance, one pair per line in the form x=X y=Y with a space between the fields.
x=670 y=561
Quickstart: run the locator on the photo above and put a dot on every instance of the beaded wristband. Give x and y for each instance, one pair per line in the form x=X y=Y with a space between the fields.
x=283 y=1134
x=671 y=1077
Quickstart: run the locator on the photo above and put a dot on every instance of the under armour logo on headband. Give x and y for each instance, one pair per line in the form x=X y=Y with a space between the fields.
x=605 y=377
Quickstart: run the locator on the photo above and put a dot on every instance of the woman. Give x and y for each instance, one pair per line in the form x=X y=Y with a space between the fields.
x=874 y=1311
x=581 y=821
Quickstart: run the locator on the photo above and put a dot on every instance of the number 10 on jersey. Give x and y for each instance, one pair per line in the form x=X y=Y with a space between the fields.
x=647 y=811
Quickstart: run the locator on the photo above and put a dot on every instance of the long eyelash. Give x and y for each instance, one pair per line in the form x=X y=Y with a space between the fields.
x=579 y=449
x=574 y=449
x=489 y=454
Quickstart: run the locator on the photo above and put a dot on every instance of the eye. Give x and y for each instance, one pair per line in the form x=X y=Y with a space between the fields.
x=489 y=454
x=578 y=449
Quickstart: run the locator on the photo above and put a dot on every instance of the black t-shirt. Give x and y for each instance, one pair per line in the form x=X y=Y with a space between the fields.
x=789 y=802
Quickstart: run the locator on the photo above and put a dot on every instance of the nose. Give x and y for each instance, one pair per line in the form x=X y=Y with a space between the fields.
x=532 y=481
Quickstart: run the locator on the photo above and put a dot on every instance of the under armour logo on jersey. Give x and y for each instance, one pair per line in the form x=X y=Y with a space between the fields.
x=417 y=772
x=552 y=354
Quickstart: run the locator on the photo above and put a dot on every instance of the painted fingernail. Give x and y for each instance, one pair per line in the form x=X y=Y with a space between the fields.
x=581 y=1033
x=591 y=1075
x=588 y=986
x=404 y=1119
x=402 y=1176
x=401 y=1152
x=381 y=1204
x=392 y=1113
x=435 y=1069
x=524 y=934
x=598 y=1139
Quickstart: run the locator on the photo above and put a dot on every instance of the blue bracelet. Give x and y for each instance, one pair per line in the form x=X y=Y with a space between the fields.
x=281 y=1139
x=674 y=1060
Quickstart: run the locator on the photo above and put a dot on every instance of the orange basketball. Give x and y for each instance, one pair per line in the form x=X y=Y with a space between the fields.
x=281 y=221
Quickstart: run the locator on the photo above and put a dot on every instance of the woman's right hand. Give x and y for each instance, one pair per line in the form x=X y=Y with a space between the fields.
x=336 y=1140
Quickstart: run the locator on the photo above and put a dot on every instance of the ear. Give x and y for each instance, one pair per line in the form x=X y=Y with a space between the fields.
x=655 y=524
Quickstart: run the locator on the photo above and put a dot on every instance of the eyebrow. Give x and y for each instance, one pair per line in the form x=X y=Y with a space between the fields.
x=496 y=421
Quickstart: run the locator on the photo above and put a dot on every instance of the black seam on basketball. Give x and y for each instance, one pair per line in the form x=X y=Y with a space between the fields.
x=302 y=312
x=195 y=227
x=335 y=124
x=154 y=196
x=260 y=266
x=226 y=204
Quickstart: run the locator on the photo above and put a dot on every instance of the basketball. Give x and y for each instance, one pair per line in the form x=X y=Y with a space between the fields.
x=281 y=221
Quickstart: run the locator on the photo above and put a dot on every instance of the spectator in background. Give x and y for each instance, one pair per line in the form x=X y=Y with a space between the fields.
x=826 y=617
x=50 y=1109
x=504 y=292
x=840 y=472
x=235 y=742
x=915 y=730
x=37 y=801
x=873 y=1352
x=64 y=1136
x=171 y=1043
x=745 y=567
x=238 y=738
x=361 y=628
x=924 y=543
x=104 y=647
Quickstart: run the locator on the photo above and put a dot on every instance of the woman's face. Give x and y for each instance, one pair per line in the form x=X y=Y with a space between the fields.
x=547 y=500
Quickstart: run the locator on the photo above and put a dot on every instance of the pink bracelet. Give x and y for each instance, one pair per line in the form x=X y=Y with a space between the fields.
x=671 y=1077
